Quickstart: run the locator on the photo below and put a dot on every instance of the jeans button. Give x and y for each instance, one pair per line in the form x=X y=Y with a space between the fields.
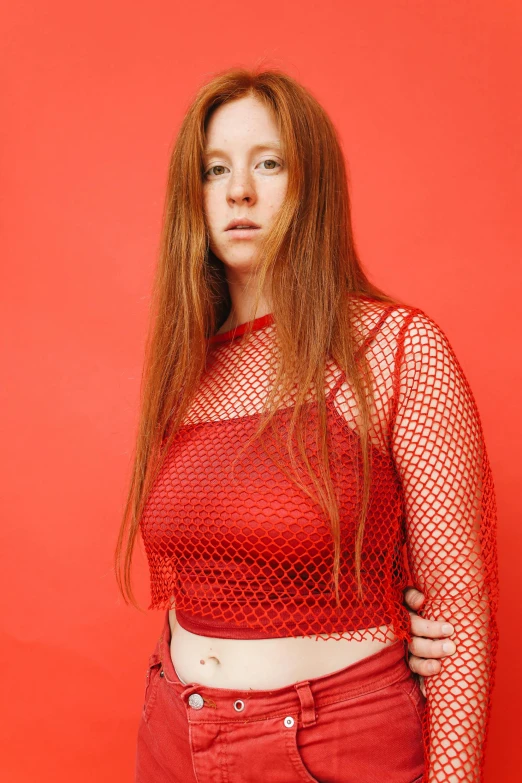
x=289 y=721
x=195 y=701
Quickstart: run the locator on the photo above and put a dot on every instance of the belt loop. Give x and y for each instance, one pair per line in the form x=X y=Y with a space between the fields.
x=306 y=698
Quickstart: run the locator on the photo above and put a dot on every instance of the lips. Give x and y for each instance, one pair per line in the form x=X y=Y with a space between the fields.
x=242 y=233
x=238 y=222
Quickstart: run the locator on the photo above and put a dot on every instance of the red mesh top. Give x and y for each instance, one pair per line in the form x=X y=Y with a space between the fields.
x=241 y=552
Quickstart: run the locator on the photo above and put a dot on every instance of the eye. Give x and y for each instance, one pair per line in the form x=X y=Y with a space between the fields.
x=271 y=160
x=212 y=168
x=219 y=166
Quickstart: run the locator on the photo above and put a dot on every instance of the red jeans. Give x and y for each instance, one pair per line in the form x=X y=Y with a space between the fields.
x=361 y=724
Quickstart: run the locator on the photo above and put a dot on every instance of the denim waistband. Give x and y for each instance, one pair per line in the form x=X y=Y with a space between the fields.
x=364 y=676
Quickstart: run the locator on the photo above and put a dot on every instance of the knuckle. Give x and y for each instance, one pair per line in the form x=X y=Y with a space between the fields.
x=437 y=651
x=414 y=645
x=428 y=627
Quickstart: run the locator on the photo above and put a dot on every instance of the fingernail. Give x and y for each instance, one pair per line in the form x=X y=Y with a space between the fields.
x=446 y=628
x=448 y=647
x=432 y=667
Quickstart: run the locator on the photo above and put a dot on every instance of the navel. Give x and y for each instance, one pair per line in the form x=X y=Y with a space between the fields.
x=211 y=658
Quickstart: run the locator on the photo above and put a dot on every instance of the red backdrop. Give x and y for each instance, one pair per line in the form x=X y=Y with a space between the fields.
x=426 y=98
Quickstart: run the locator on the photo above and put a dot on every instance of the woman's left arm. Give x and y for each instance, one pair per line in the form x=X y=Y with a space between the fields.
x=450 y=518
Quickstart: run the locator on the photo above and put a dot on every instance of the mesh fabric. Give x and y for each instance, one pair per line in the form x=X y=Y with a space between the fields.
x=239 y=551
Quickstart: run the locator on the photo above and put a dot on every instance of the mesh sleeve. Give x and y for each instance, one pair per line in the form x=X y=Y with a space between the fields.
x=450 y=526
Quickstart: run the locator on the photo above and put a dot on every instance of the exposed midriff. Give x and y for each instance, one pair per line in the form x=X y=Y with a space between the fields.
x=261 y=664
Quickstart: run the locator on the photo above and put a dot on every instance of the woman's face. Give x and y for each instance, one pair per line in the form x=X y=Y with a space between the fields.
x=244 y=178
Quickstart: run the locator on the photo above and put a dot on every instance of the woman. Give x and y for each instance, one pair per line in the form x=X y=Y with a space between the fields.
x=308 y=447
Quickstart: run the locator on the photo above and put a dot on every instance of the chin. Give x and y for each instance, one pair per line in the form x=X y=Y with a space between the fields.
x=238 y=260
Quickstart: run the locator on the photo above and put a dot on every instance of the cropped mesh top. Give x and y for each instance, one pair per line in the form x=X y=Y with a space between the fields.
x=240 y=552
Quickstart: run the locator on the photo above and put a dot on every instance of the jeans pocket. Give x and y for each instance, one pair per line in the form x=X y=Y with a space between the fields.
x=412 y=689
x=152 y=678
x=376 y=735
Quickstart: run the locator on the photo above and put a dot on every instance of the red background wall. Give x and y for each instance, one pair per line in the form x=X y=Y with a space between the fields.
x=427 y=100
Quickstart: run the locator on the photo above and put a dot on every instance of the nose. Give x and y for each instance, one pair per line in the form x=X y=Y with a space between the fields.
x=241 y=188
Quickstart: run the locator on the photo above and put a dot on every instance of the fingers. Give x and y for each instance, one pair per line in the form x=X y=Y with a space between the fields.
x=420 y=626
x=423 y=667
x=433 y=629
x=428 y=642
x=413 y=597
x=424 y=654
x=431 y=648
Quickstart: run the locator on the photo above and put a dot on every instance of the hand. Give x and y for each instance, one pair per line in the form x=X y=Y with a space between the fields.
x=424 y=650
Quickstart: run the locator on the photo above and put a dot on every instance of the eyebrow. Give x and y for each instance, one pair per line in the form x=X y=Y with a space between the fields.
x=264 y=145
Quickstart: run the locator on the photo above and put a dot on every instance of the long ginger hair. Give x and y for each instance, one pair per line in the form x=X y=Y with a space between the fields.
x=311 y=265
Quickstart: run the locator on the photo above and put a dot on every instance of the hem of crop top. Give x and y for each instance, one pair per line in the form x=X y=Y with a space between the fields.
x=205 y=627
